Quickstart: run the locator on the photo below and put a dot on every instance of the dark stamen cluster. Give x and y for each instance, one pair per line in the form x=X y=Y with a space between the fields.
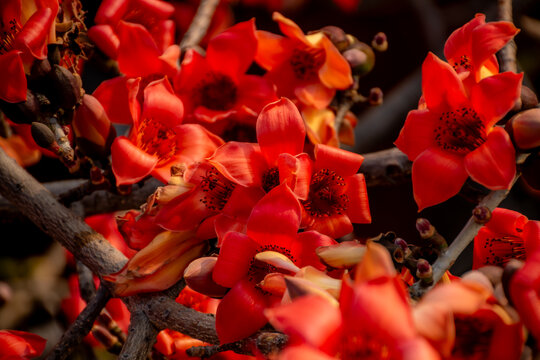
x=306 y=63
x=215 y=92
x=326 y=197
x=156 y=139
x=270 y=179
x=217 y=190
x=460 y=131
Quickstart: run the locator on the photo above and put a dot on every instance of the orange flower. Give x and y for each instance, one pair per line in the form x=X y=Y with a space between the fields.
x=306 y=67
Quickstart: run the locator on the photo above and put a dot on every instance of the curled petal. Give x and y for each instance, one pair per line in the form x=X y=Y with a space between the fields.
x=241 y=163
x=161 y=104
x=335 y=73
x=20 y=345
x=138 y=54
x=235 y=257
x=358 y=209
x=490 y=38
x=296 y=171
x=105 y=38
x=13 y=88
x=303 y=249
x=345 y=163
x=118 y=96
x=314 y=94
x=417 y=134
x=33 y=36
x=271 y=49
x=129 y=163
x=440 y=84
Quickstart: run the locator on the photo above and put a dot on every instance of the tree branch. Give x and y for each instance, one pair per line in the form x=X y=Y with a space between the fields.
x=199 y=25
x=507 y=55
x=82 y=326
x=386 y=167
x=141 y=337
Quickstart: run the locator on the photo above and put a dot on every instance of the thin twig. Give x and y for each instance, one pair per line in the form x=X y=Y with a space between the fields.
x=507 y=55
x=199 y=25
x=463 y=239
x=82 y=325
x=266 y=342
x=141 y=337
x=86 y=282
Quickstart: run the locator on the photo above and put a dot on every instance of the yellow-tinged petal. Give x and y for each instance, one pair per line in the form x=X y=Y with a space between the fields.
x=278 y=260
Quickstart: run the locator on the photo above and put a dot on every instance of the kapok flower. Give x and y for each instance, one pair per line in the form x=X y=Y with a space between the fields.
x=320 y=126
x=139 y=34
x=337 y=194
x=304 y=67
x=453 y=136
x=26 y=26
x=525 y=283
x=463 y=321
x=157 y=140
x=471 y=48
x=500 y=240
x=20 y=345
x=270 y=247
x=374 y=320
x=215 y=87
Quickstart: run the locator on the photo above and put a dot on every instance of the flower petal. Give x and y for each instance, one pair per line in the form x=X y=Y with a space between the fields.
x=344 y=162
x=34 y=34
x=358 y=209
x=296 y=171
x=116 y=95
x=417 y=134
x=161 y=104
x=440 y=84
x=20 y=345
x=459 y=42
x=280 y=129
x=490 y=38
x=289 y=27
x=314 y=94
x=272 y=49
x=303 y=352
x=436 y=176
x=303 y=249
x=242 y=163
x=493 y=164
x=105 y=38
x=335 y=73
x=138 y=54
x=129 y=163
x=13 y=87
x=235 y=257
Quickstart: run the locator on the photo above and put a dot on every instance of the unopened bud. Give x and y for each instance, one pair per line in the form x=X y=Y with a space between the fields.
x=529 y=171
x=481 y=214
x=40 y=68
x=509 y=271
x=43 y=135
x=403 y=245
x=24 y=112
x=380 y=42
x=375 y=96
x=424 y=227
x=398 y=255
x=360 y=57
x=96 y=176
x=198 y=276
x=65 y=89
x=344 y=255
x=529 y=99
x=124 y=189
x=424 y=271
x=524 y=129
x=337 y=36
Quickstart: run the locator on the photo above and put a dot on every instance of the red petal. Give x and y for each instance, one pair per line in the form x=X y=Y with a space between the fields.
x=440 y=84
x=358 y=210
x=303 y=249
x=296 y=171
x=185 y=212
x=495 y=95
x=20 y=345
x=138 y=54
x=13 y=87
x=161 y=104
x=35 y=32
x=314 y=94
x=436 y=176
x=344 y=162
x=241 y=163
x=129 y=163
x=417 y=134
x=194 y=143
x=493 y=164
x=335 y=73
x=240 y=313
x=490 y=38
x=164 y=34
x=234 y=260
x=255 y=92
x=506 y=221
x=111 y=11
x=298 y=321
x=289 y=27
x=232 y=51
x=114 y=95
x=280 y=129
x=194 y=69
x=276 y=218
x=303 y=352
x=105 y=38
x=459 y=42
x=272 y=49
x=105 y=224
x=334 y=226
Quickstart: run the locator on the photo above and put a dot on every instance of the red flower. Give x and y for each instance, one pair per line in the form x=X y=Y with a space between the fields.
x=306 y=67
x=216 y=87
x=375 y=320
x=500 y=240
x=20 y=345
x=271 y=246
x=471 y=48
x=157 y=140
x=453 y=136
x=525 y=284
x=139 y=35
x=25 y=28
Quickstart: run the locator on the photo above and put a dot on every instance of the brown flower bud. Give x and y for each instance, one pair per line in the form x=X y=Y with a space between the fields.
x=529 y=99
x=424 y=227
x=375 y=96
x=481 y=214
x=337 y=36
x=24 y=112
x=43 y=135
x=380 y=42
x=65 y=90
x=198 y=276
x=360 y=57
x=424 y=271
x=524 y=128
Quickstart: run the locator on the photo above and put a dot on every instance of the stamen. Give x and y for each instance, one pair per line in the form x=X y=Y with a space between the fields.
x=270 y=179
x=463 y=64
x=215 y=92
x=7 y=36
x=501 y=250
x=307 y=62
x=472 y=338
x=326 y=197
x=217 y=190
x=156 y=139
x=460 y=131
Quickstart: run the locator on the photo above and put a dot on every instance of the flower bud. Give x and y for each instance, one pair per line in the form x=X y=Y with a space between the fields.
x=375 y=96
x=93 y=128
x=380 y=42
x=337 y=36
x=424 y=227
x=198 y=276
x=43 y=135
x=524 y=128
x=40 y=68
x=481 y=215
x=341 y=256
x=23 y=112
x=65 y=90
x=360 y=57
x=529 y=99
x=529 y=172
x=424 y=271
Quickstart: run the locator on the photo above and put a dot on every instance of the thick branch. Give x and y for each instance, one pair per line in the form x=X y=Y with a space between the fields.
x=82 y=326
x=507 y=55
x=40 y=206
x=141 y=337
x=386 y=167
x=199 y=24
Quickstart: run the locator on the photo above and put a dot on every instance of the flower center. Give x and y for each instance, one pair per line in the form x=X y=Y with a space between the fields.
x=7 y=36
x=270 y=179
x=326 y=197
x=460 y=131
x=156 y=139
x=259 y=269
x=462 y=64
x=501 y=250
x=363 y=346
x=217 y=190
x=473 y=337
x=306 y=63
x=216 y=92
